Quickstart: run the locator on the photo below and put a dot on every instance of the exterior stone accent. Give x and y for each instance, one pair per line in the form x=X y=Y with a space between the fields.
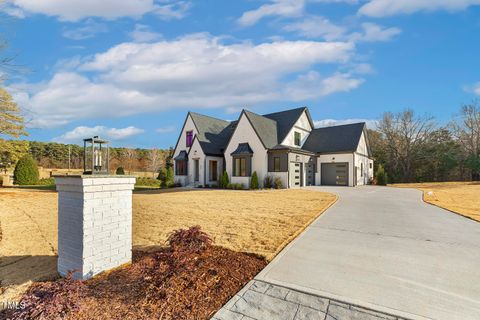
x=94 y=223
x=260 y=300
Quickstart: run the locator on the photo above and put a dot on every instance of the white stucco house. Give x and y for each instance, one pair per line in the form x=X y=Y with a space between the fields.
x=283 y=144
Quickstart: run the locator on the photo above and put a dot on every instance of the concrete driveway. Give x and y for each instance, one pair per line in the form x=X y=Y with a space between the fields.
x=385 y=249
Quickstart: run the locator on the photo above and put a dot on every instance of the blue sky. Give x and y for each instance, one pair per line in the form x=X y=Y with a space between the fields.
x=130 y=70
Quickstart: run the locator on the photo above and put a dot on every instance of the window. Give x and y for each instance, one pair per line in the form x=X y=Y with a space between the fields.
x=181 y=167
x=361 y=169
x=298 y=138
x=276 y=164
x=189 y=138
x=370 y=165
x=240 y=167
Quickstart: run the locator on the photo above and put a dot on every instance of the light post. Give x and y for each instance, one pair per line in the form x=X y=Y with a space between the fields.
x=96 y=156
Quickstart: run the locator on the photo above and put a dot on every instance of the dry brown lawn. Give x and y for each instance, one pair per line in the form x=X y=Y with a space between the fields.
x=261 y=222
x=459 y=197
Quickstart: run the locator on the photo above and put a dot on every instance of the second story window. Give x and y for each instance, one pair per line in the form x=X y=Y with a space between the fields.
x=189 y=138
x=298 y=138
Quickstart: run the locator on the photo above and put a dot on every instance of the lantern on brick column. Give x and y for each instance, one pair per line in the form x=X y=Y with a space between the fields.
x=95 y=156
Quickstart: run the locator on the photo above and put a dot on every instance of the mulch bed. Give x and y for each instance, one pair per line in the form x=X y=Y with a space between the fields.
x=190 y=279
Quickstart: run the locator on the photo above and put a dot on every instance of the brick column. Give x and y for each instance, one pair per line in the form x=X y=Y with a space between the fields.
x=94 y=223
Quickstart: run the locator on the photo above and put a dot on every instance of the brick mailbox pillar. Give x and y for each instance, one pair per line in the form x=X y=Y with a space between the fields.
x=94 y=223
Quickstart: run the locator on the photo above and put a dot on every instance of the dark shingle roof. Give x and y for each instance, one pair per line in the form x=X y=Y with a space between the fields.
x=242 y=149
x=344 y=138
x=213 y=134
x=265 y=128
x=286 y=120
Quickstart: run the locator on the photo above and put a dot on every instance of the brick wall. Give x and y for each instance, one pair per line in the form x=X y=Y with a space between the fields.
x=94 y=223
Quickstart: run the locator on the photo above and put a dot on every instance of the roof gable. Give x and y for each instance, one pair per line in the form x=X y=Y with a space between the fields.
x=286 y=120
x=265 y=128
x=344 y=138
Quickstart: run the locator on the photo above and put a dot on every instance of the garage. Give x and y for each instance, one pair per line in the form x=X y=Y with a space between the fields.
x=335 y=174
x=295 y=174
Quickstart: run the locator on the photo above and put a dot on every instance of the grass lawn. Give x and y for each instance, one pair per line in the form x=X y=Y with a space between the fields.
x=460 y=197
x=260 y=222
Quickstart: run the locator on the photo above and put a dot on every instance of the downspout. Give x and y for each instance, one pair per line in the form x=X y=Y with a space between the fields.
x=354 y=175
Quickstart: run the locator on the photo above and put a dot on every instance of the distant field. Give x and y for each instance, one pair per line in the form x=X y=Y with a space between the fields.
x=260 y=222
x=460 y=197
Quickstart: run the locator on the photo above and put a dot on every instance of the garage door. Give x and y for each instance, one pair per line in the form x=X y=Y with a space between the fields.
x=295 y=174
x=335 y=174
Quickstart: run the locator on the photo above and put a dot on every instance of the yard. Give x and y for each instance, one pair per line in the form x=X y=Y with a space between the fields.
x=460 y=197
x=260 y=222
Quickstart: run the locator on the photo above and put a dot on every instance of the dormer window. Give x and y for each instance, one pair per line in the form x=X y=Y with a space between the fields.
x=189 y=138
x=298 y=138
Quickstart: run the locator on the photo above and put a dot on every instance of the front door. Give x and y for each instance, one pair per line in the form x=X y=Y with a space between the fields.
x=295 y=174
x=196 y=170
x=213 y=168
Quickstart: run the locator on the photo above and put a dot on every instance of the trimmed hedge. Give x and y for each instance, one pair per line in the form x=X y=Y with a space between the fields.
x=26 y=171
x=254 y=181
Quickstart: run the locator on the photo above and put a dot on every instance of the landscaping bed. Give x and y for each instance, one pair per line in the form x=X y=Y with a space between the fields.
x=189 y=279
x=460 y=197
x=260 y=222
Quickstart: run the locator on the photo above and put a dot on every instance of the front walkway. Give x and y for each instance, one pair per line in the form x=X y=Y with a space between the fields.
x=378 y=248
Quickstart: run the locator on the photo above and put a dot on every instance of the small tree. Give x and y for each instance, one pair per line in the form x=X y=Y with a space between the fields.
x=224 y=181
x=166 y=177
x=254 y=181
x=120 y=171
x=26 y=171
x=381 y=176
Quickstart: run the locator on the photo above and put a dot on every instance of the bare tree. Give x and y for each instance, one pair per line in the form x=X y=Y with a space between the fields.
x=130 y=155
x=467 y=132
x=405 y=134
x=154 y=160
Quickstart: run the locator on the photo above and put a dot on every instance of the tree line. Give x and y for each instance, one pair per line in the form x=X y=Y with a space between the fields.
x=63 y=156
x=415 y=148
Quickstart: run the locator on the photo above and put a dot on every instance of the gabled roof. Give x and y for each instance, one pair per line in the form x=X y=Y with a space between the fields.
x=265 y=128
x=343 y=138
x=213 y=134
x=243 y=149
x=287 y=119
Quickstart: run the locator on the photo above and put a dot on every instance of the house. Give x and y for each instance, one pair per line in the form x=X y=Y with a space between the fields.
x=283 y=144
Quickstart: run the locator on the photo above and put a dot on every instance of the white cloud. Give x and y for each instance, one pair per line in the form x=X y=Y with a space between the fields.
x=282 y=8
x=79 y=133
x=316 y=27
x=89 y=30
x=384 y=8
x=195 y=71
x=475 y=88
x=142 y=33
x=371 y=123
x=373 y=32
x=166 y=129
x=74 y=10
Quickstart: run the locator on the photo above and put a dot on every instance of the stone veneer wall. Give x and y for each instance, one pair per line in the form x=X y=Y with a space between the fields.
x=94 y=223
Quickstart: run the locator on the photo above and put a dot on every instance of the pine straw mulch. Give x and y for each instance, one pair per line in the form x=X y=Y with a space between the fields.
x=190 y=279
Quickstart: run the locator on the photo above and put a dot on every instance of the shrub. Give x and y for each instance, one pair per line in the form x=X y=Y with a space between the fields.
x=254 y=181
x=166 y=177
x=120 y=171
x=51 y=300
x=238 y=186
x=191 y=239
x=277 y=183
x=46 y=182
x=224 y=181
x=267 y=182
x=381 y=176
x=26 y=171
x=147 y=182
x=229 y=186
